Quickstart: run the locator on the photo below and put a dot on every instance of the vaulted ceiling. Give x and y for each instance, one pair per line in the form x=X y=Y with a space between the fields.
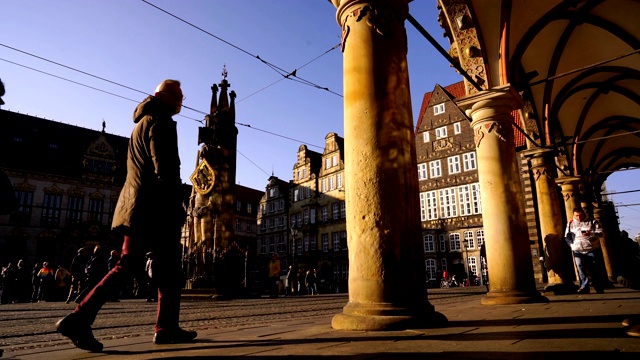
x=576 y=64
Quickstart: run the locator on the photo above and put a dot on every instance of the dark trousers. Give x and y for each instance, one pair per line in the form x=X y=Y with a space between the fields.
x=169 y=278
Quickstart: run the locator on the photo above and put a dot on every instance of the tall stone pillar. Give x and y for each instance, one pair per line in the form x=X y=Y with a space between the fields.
x=606 y=244
x=570 y=187
x=387 y=282
x=511 y=278
x=557 y=254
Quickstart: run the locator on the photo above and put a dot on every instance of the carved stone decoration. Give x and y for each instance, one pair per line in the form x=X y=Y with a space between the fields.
x=377 y=19
x=568 y=196
x=540 y=172
x=464 y=38
x=478 y=135
x=203 y=178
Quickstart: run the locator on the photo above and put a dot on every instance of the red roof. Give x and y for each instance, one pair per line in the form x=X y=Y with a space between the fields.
x=457 y=90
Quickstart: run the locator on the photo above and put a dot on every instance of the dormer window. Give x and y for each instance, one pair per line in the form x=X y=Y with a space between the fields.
x=438 y=109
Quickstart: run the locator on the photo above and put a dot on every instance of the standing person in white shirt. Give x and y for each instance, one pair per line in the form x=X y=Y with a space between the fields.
x=584 y=238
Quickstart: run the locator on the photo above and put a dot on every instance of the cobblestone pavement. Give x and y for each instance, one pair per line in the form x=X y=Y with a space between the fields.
x=31 y=325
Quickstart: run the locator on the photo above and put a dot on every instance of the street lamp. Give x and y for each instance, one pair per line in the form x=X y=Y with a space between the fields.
x=466 y=258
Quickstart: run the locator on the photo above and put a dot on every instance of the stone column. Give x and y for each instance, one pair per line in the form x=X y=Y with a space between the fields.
x=570 y=187
x=606 y=244
x=557 y=253
x=387 y=282
x=511 y=278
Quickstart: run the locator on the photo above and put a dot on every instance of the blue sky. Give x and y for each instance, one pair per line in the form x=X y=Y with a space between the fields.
x=133 y=43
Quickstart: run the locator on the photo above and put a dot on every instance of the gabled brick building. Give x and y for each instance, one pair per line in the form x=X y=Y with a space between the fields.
x=451 y=206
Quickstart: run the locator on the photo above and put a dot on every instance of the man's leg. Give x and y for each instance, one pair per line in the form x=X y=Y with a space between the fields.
x=169 y=279
x=582 y=261
x=598 y=271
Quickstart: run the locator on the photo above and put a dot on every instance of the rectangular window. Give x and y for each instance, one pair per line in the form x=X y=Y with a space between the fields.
x=281 y=205
x=343 y=240
x=431 y=268
x=454 y=164
x=293 y=221
x=51 y=210
x=305 y=242
x=22 y=215
x=332 y=183
x=327 y=163
x=443 y=243
x=334 y=160
x=429 y=244
x=312 y=216
x=325 y=213
x=334 y=211
x=249 y=227
x=313 y=242
x=272 y=192
x=306 y=216
x=469 y=242
x=307 y=191
x=295 y=195
x=423 y=206
x=299 y=219
x=74 y=210
x=443 y=264
x=95 y=209
x=323 y=185
x=454 y=242
x=304 y=173
x=432 y=205
x=239 y=205
x=339 y=176
x=438 y=109
x=457 y=129
x=422 y=171
x=448 y=207
x=272 y=207
x=263 y=208
x=425 y=136
x=249 y=208
x=263 y=245
x=469 y=161
x=239 y=225
x=480 y=237
x=464 y=195
x=272 y=245
x=343 y=209
x=336 y=241
x=271 y=222
x=325 y=242
x=441 y=132
x=434 y=169
x=473 y=265
x=282 y=246
x=299 y=247
x=476 y=200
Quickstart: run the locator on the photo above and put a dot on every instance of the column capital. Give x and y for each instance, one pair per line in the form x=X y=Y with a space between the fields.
x=360 y=8
x=567 y=181
x=487 y=104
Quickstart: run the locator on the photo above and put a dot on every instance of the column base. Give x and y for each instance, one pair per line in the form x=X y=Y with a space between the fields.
x=386 y=317
x=561 y=288
x=512 y=297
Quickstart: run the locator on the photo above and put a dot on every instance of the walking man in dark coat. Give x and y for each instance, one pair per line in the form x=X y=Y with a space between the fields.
x=150 y=215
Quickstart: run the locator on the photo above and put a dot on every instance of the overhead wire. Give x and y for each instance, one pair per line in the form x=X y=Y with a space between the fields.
x=282 y=72
x=142 y=92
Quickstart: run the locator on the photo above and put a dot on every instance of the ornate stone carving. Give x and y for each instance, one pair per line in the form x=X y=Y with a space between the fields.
x=487 y=128
x=379 y=17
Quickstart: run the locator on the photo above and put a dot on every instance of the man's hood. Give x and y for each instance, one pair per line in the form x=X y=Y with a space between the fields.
x=149 y=106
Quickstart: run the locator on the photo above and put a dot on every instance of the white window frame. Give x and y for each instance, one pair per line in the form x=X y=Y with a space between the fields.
x=443 y=243
x=470 y=241
x=425 y=136
x=448 y=208
x=430 y=267
x=476 y=198
x=422 y=171
x=332 y=183
x=438 y=109
x=334 y=160
x=343 y=209
x=327 y=163
x=454 y=242
x=429 y=243
x=441 y=132
x=457 y=129
x=480 y=236
x=325 y=242
x=432 y=205
x=469 y=161
x=464 y=197
x=336 y=241
x=443 y=264
x=435 y=169
x=423 y=206
x=454 y=164
x=339 y=180
x=472 y=264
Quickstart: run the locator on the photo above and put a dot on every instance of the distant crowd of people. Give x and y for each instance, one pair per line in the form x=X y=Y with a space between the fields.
x=43 y=282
